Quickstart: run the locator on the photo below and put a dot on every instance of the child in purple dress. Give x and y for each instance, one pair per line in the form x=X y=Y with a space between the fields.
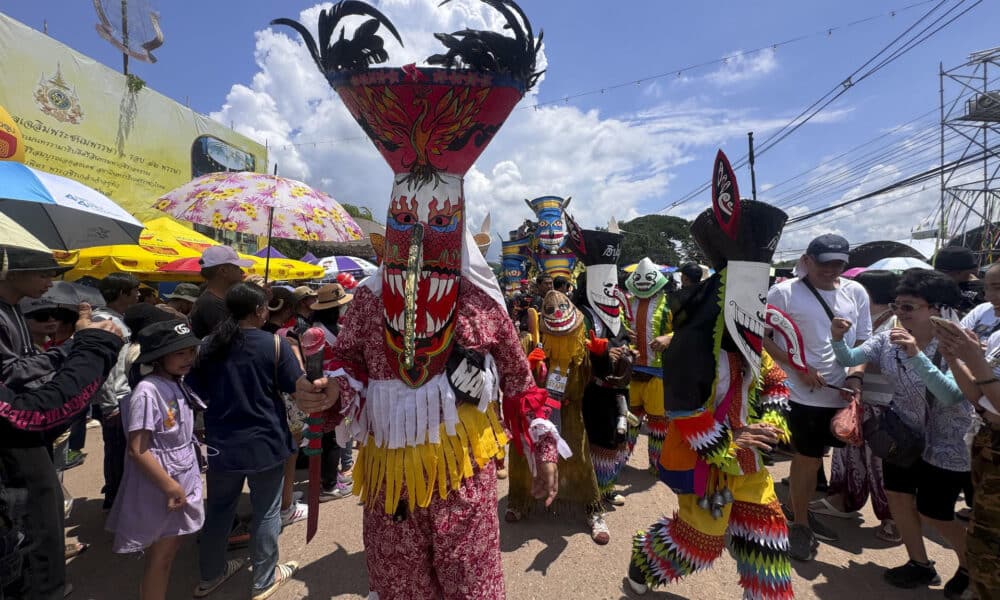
x=160 y=498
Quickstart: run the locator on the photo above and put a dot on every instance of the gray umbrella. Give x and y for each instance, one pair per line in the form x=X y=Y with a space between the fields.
x=66 y=294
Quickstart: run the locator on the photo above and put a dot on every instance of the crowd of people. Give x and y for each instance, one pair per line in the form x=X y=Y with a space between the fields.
x=203 y=391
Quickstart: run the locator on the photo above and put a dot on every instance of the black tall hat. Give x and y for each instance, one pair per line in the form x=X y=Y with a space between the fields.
x=757 y=234
x=600 y=247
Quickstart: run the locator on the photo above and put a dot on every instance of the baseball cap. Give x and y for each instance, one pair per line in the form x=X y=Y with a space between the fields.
x=213 y=256
x=185 y=291
x=829 y=247
x=303 y=291
x=160 y=339
x=955 y=258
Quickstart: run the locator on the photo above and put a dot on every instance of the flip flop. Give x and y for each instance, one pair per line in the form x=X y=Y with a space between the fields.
x=76 y=549
x=824 y=507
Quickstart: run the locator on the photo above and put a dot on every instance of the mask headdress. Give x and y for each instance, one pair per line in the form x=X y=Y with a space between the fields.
x=602 y=250
x=646 y=280
x=514 y=263
x=430 y=125
x=725 y=312
x=559 y=315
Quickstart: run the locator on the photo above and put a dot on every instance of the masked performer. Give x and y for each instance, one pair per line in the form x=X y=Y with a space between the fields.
x=561 y=363
x=651 y=324
x=605 y=399
x=724 y=402
x=428 y=342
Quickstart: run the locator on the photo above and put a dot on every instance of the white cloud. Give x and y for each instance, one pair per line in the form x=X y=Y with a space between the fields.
x=609 y=165
x=743 y=66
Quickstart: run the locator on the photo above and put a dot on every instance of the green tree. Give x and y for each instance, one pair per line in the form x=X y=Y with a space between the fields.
x=358 y=212
x=664 y=239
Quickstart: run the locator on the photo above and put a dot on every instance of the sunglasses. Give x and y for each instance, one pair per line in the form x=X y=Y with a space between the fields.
x=905 y=307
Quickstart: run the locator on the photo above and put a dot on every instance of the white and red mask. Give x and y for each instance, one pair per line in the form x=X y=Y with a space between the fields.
x=422 y=270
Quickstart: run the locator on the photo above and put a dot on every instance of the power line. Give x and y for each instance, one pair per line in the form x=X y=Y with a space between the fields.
x=846 y=84
x=826 y=32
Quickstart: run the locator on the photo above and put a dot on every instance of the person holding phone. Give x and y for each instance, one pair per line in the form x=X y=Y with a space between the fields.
x=927 y=399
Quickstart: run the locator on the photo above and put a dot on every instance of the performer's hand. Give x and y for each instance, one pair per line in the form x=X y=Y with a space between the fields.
x=759 y=435
x=316 y=396
x=596 y=345
x=838 y=328
x=811 y=378
x=632 y=336
x=546 y=482
x=660 y=343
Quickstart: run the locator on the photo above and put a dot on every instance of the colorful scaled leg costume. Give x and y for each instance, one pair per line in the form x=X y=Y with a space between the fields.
x=650 y=319
x=428 y=342
x=561 y=364
x=716 y=382
x=605 y=399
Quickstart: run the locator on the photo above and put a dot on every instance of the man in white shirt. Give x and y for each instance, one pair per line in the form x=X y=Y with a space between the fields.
x=984 y=319
x=811 y=301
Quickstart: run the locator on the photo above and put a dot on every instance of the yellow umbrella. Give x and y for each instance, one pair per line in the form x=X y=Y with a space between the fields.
x=164 y=241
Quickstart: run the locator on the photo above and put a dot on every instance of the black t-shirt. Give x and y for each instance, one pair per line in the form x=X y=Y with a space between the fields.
x=209 y=312
x=973 y=294
x=245 y=420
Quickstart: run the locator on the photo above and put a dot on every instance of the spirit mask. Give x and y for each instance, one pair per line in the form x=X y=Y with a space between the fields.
x=601 y=252
x=559 y=316
x=647 y=280
x=430 y=125
x=552 y=227
x=739 y=238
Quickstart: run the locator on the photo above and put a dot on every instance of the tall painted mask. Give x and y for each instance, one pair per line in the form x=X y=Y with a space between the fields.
x=647 y=280
x=600 y=255
x=430 y=124
x=514 y=261
x=552 y=226
x=739 y=238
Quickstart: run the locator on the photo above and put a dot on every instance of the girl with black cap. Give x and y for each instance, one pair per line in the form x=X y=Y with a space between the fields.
x=160 y=498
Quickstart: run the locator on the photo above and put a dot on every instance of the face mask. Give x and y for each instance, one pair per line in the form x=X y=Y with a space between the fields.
x=559 y=316
x=744 y=306
x=647 y=280
x=552 y=227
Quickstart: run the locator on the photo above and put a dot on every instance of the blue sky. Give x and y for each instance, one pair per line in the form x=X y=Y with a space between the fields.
x=634 y=149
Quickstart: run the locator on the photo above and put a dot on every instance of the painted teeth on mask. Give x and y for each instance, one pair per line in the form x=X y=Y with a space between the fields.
x=433 y=288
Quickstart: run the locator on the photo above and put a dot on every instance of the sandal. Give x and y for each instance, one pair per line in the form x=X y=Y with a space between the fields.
x=823 y=506
x=76 y=549
x=233 y=566
x=887 y=532
x=282 y=573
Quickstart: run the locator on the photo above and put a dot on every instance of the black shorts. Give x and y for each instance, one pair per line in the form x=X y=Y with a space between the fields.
x=936 y=489
x=810 y=429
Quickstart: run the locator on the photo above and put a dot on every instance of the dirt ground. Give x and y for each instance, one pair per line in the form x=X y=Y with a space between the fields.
x=544 y=557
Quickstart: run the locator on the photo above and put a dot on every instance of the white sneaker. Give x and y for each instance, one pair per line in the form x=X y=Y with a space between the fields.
x=294 y=513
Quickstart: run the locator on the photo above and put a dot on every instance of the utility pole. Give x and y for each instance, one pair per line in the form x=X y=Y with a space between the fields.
x=753 y=173
x=125 y=36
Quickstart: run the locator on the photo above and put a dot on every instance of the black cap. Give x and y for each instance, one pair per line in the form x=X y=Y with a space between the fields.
x=140 y=316
x=955 y=258
x=160 y=339
x=829 y=247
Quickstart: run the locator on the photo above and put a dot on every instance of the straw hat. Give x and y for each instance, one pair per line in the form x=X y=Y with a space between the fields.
x=331 y=295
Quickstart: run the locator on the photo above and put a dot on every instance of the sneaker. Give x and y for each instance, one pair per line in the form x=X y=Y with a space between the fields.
x=615 y=499
x=294 y=513
x=74 y=458
x=887 y=532
x=957 y=585
x=636 y=580
x=239 y=536
x=334 y=493
x=345 y=479
x=912 y=575
x=802 y=543
x=282 y=573
x=598 y=529
x=297 y=496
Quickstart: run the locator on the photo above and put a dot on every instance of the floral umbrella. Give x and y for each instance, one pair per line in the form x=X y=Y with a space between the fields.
x=261 y=204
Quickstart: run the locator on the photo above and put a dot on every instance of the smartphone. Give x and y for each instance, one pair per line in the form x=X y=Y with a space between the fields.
x=947 y=324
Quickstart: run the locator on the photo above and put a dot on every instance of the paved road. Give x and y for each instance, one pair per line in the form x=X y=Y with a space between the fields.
x=544 y=557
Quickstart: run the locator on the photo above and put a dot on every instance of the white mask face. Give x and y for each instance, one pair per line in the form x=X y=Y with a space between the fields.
x=602 y=293
x=744 y=306
x=646 y=280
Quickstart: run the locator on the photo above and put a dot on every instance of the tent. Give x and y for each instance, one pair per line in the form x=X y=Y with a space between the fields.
x=263 y=252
